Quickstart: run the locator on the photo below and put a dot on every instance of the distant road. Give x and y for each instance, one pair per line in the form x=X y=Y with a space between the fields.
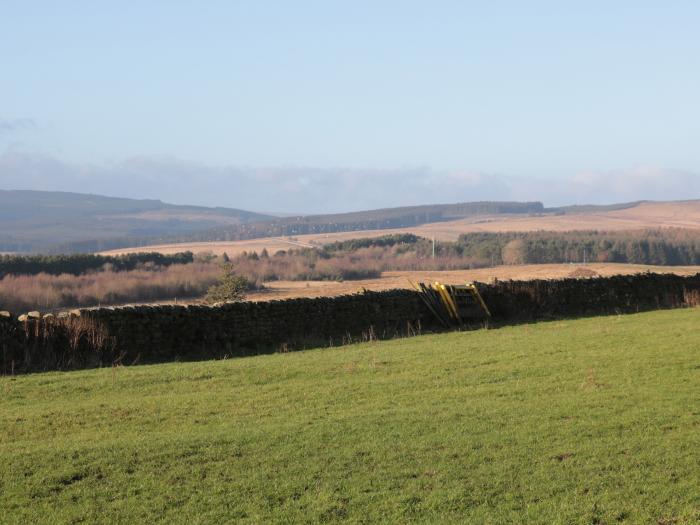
x=294 y=242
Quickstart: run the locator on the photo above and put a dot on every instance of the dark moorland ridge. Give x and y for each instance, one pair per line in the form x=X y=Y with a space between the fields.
x=366 y=220
x=385 y=218
x=55 y=222
x=60 y=222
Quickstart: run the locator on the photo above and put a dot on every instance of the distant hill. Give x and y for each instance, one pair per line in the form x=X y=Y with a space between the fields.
x=391 y=218
x=32 y=221
x=380 y=219
x=57 y=222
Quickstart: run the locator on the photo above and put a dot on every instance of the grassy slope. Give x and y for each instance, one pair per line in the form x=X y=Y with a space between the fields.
x=589 y=421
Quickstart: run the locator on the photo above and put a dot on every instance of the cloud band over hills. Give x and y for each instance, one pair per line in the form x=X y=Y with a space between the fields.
x=326 y=190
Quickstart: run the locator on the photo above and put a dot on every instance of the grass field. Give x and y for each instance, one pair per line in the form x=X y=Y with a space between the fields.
x=588 y=421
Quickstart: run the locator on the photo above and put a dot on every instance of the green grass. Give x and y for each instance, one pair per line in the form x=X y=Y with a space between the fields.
x=588 y=421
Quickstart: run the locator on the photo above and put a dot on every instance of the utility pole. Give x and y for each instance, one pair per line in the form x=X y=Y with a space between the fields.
x=433 y=247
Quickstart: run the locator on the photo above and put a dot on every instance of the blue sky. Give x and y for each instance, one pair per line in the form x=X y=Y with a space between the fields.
x=324 y=106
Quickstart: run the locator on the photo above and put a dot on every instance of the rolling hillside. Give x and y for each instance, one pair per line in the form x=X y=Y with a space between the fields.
x=69 y=222
x=32 y=221
x=633 y=216
x=384 y=218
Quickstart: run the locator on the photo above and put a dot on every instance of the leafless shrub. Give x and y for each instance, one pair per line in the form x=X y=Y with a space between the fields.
x=363 y=263
x=46 y=292
x=84 y=331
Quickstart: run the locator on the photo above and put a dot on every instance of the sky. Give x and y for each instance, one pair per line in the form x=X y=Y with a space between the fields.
x=303 y=106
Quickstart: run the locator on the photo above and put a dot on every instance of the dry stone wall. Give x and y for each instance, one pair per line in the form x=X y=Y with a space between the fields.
x=149 y=334
x=198 y=332
x=512 y=301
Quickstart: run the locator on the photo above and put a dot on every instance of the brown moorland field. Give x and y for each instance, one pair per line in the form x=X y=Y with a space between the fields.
x=645 y=215
x=389 y=280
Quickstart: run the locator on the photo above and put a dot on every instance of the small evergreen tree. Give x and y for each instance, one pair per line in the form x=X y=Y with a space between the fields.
x=231 y=287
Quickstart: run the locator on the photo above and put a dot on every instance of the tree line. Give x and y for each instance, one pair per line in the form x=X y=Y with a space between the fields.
x=78 y=264
x=659 y=247
x=662 y=247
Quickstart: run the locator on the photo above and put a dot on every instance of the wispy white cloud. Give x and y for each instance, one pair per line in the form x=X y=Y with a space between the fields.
x=316 y=190
x=17 y=124
x=635 y=183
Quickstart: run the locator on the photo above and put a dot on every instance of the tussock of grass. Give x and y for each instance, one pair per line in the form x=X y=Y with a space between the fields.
x=588 y=421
